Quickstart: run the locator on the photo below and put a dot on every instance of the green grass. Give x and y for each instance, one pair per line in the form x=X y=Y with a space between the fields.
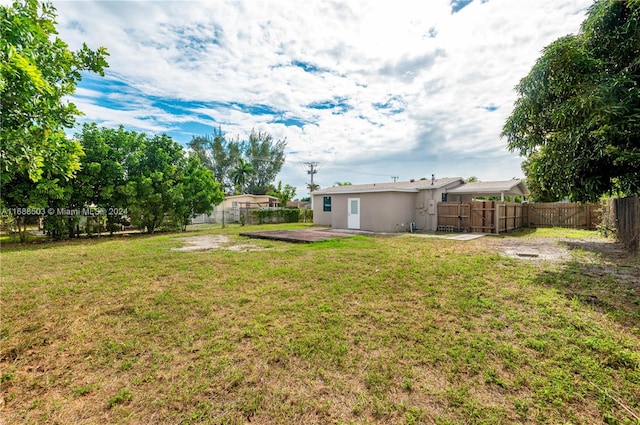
x=357 y=330
x=552 y=232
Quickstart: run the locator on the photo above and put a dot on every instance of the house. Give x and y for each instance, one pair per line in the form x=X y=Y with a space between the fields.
x=249 y=201
x=382 y=207
x=400 y=206
x=233 y=207
x=299 y=204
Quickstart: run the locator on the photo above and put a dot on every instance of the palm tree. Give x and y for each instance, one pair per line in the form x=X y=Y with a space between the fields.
x=240 y=174
x=313 y=187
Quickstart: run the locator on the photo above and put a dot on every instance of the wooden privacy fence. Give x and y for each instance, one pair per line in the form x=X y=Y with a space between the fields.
x=562 y=214
x=624 y=216
x=500 y=217
x=479 y=216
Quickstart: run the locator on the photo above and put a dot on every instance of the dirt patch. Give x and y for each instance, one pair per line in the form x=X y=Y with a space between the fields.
x=535 y=249
x=597 y=257
x=209 y=242
x=300 y=235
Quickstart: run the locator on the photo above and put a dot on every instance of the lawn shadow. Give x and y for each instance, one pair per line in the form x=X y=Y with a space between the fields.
x=45 y=242
x=518 y=233
x=603 y=276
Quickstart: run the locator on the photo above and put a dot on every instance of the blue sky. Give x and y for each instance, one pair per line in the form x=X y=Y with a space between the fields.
x=368 y=90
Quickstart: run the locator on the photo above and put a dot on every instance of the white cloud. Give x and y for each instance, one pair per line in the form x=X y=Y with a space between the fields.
x=420 y=90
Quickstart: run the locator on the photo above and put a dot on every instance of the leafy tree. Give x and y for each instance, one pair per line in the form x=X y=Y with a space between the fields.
x=199 y=192
x=241 y=174
x=284 y=195
x=201 y=147
x=219 y=155
x=37 y=73
x=342 y=184
x=154 y=172
x=102 y=179
x=267 y=158
x=577 y=117
x=472 y=179
x=222 y=156
x=226 y=154
x=537 y=193
x=52 y=190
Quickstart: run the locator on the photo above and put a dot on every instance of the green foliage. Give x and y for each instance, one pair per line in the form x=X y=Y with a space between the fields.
x=198 y=192
x=154 y=171
x=267 y=157
x=306 y=215
x=577 y=118
x=277 y=215
x=148 y=180
x=52 y=190
x=264 y=156
x=284 y=195
x=124 y=396
x=37 y=73
x=124 y=177
x=102 y=179
x=240 y=174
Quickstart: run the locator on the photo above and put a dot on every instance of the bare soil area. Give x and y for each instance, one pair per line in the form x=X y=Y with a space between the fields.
x=596 y=271
x=600 y=257
x=208 y=242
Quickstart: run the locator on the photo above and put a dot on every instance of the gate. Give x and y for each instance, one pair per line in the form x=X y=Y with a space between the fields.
x=561 y=214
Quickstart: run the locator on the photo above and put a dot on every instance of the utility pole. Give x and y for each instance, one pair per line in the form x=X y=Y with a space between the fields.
x=311 y=171
x=395 y=178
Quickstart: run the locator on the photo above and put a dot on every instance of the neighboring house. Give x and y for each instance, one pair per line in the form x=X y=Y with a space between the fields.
x=501 y=189
x=249 y=201
x=234 y=206
x=382 y=207
x=299 y=204
x=399 y=206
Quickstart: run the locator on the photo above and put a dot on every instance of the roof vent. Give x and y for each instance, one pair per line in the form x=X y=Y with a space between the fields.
x=412 y=180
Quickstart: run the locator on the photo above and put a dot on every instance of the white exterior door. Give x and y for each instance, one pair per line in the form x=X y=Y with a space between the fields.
x=353 y=213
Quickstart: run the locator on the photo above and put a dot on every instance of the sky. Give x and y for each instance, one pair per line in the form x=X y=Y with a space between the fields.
x=370 y=91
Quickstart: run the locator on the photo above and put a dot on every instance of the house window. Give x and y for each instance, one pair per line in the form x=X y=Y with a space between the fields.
x=326 y=203
x=234 y=204
x=444 y=197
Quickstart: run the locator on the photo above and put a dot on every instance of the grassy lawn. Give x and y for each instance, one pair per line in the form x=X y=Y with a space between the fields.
x=367 y=329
